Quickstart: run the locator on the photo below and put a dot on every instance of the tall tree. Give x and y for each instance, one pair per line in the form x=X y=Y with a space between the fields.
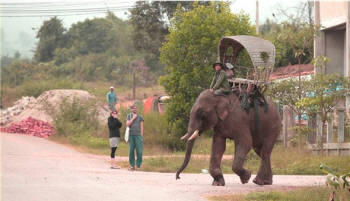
x=150 y=21
x=51 y=36
x=189 y=52
x=149 y=30
x=293 y=38
x=91 y=36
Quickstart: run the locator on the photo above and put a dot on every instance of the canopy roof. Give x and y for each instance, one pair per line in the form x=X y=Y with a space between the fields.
x=261 y=52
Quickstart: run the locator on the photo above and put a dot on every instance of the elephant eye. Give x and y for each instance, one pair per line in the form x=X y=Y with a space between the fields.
x=201 y=114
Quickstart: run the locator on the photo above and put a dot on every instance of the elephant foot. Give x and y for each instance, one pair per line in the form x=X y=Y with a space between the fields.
x=218 y=182
x=245 y=177
x=261 y=182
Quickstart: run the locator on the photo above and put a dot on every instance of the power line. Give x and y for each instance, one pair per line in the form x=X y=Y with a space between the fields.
x=24 y=12
x=52 y=15
x=8 y=16
x=65 y=10
x=58 y=3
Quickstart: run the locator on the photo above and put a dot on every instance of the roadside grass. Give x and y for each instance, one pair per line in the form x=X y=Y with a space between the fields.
x=9 y=95
x=100 y=89
x=285 y=161
x=304 y=194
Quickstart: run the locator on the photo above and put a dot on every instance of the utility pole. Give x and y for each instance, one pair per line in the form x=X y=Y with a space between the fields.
x=257 y=18
x=133 y=84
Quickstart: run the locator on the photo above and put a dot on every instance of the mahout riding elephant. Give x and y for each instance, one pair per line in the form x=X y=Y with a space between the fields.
x=226 y=117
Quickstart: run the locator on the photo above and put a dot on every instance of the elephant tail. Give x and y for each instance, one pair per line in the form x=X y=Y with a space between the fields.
x=187 y=158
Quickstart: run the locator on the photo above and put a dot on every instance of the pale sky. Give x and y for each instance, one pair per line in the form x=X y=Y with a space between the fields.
x=18 y=33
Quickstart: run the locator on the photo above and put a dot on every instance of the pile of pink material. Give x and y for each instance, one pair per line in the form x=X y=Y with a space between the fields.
x=30 y=126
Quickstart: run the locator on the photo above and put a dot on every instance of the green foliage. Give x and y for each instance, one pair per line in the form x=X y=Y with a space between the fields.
x=150 y=21
x=30 y=88
x=305 y=194
x=189 y=52
x=14 y=73
x=51 y=36
x=149 y=30
x=91 y=36
x=75 y=118
x=157 y=133
x=324 y=91
x=287 y=91
x=339 y=183
x=293 y=40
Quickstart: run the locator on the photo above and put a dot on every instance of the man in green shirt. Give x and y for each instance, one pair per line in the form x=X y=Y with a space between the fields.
x=219 y=84
x=135 y=122
x=111 y=99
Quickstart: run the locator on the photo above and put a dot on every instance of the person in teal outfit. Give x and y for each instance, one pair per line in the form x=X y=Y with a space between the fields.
x=111 y=99
x=135 y=123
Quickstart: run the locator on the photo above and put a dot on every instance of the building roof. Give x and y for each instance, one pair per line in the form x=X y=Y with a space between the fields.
x=292 y=71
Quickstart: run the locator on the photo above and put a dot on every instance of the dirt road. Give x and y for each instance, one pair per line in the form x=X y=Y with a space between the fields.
x=35 y=169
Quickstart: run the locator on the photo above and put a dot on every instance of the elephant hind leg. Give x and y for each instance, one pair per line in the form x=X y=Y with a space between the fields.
x=241 y=151
x=264 y=176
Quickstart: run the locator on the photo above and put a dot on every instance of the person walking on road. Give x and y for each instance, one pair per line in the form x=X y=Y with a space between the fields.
x=111 y=99
x=114 y=136
x=135 y=123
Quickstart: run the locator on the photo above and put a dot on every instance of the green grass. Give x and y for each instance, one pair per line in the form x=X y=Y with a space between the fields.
x=305 y=194
x=100 y=89
x=286 y=161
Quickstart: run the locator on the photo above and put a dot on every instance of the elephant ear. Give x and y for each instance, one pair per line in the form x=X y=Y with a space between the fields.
x=222 y=110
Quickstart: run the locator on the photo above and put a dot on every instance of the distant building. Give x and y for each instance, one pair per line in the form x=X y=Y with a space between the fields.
x=334 y=39
x=292 y=71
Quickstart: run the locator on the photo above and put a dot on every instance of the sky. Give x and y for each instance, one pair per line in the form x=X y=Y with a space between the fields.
x=18 y=33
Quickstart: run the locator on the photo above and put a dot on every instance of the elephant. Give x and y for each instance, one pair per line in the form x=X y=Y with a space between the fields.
x=229 y=120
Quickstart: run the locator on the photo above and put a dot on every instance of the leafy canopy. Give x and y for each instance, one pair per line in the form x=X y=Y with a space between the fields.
x=51 y=36
x=189 y=52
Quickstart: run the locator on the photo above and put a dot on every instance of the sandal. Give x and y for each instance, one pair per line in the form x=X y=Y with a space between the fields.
x=131 y=168
x=115 y=167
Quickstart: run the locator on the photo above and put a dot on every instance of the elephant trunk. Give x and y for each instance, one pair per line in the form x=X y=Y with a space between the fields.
x=187 y=157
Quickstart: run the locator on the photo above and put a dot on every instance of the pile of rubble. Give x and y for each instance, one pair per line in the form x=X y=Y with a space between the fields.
x=19 y=106
x=30 y=126
x=42 y=109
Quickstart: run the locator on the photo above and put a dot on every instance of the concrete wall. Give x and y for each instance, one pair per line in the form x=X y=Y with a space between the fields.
x=333 y=13
x=329 y=14
x=335 y=51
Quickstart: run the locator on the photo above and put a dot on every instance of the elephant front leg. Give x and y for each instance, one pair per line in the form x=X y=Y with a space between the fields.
x=217 y=151
x=241 y=151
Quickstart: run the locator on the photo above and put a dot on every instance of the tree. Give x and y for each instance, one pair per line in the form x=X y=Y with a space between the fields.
x=189 y=52
x=150 y=21
x=91 y=36
x=149 y=30
x=325 y=91
x=290 y=92
x=293 y=38
x=51 y=36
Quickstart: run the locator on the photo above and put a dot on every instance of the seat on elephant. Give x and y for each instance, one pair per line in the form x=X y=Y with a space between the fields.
x=250 y=92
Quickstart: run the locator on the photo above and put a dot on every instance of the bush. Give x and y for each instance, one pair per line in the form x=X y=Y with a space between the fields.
x=76 y=118
x=157 y=133
x=36 y=88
